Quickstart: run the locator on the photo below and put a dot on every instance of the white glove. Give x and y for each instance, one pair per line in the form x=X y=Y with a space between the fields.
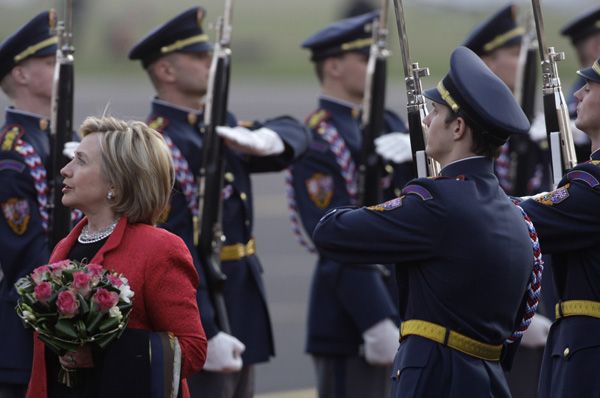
x=537 y=333
x=394 y=147
x=224 y=353
x=537 y=132
x=381 y=343
x=70 y=148
x=260 y=142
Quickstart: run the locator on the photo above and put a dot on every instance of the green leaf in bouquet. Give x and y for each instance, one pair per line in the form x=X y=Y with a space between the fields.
x=109 y=324
x=93 y=320
x=80 y=329
x=104 y=339
x=57 y=346
x=84 y=307
x=125 y=307
x=66 y=328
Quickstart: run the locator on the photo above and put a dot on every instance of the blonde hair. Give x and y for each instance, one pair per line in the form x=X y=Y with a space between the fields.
x=137 y=163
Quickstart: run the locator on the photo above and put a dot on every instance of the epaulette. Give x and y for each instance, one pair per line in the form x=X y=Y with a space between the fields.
x=159 y=123
x=317 y=117
x=583 y=176
x=418 y=190
x=411 y=189
x=10 y=136
x=594 y=162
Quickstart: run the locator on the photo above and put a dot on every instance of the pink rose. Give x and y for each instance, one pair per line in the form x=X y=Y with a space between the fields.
x=105 y=299
x=43 y=291
x=40 y=273
x=67 y=303
x=115 y=280
x=81 y=282
x=94 y=269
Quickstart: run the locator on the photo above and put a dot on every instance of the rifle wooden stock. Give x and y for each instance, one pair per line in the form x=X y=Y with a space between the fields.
x=370 y=167
x=556 y=112
x=61 y=127
x=211 y=176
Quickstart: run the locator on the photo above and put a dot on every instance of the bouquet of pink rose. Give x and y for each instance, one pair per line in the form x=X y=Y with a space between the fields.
x=70 y=304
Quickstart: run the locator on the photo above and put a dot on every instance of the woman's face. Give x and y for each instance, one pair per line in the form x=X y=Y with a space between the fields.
x=85 y=186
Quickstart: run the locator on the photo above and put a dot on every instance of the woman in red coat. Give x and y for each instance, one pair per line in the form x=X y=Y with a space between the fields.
x=121 y=177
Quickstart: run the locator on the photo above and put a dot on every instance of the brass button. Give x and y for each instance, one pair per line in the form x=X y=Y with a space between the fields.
x=243 y=196
x=229 y=177
x=192 y=118
x=398 y=373
x=566 y=352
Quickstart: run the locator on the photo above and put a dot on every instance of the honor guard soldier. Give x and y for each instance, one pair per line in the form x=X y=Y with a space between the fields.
x=352 y=338
x=521 y=167
x=462 y=249
x=177 y=57
x=568 y=222
x=584 y=32
x=498 y=42
x=27 y=59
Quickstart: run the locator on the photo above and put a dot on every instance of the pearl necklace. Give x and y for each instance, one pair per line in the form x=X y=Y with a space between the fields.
x=91 y=237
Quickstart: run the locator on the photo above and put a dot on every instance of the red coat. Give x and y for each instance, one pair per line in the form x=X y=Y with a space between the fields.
x=160 y=271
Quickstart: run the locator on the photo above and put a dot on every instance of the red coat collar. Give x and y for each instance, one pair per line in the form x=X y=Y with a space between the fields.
x=114 y=240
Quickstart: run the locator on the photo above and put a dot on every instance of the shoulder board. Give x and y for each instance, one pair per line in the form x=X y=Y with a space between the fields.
x=584 y=176
x=594 y=162
x=317 y=117
x=418 y=190
x=10 y=136
x=12 y=165
x=158 y=123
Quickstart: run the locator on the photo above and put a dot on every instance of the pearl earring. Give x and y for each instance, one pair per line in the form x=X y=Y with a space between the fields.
x=110 y=195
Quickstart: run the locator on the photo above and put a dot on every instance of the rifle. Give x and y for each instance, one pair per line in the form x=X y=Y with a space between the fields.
x=525 y=94
x=370 y=167
x=212 y=169
x=415 y=102
x=556 y=111
x=61 y=125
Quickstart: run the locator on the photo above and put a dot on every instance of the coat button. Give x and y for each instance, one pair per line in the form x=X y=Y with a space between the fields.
x=243 y=196
x=566 y=352
x=397 y=373
x=229 y=177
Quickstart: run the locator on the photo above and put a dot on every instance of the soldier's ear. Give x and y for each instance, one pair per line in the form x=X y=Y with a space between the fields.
x=459 y=128
x=332 y=66
x=19 y=74
x=163 y=70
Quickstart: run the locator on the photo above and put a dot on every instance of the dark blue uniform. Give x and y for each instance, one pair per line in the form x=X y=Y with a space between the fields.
x=462 y=250
x=182 y=128
x=244 y=290
x=326 y=178
x=568 y=222
x=24 y=150
x=337 y=316
x=462 y=256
